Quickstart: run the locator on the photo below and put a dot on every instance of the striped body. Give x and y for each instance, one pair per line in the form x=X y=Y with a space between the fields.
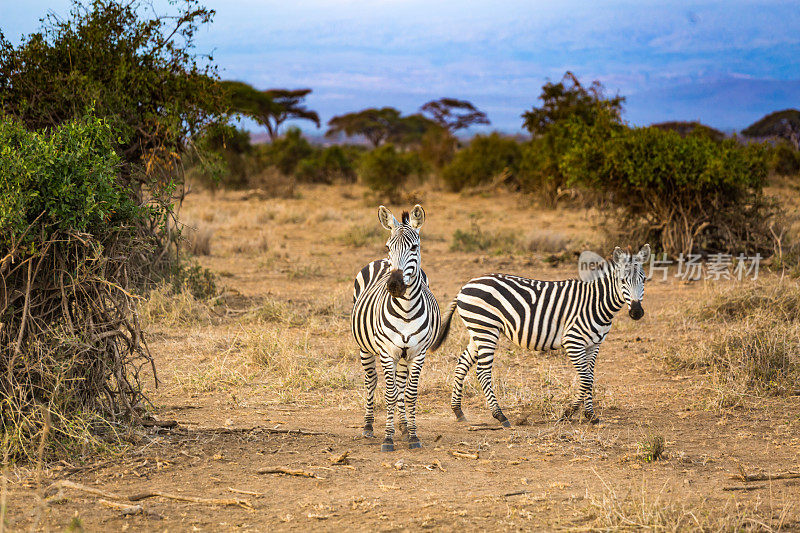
x=542 y=316
x=383 y=324
x=395 y=319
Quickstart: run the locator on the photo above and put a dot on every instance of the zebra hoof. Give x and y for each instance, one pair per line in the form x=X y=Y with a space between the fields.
x=368 y=431
x=503 y=420
x=387 y=446
x=414 y=443
x=459 y=415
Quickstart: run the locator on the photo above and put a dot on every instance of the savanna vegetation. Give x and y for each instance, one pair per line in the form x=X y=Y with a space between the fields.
x=141 y=230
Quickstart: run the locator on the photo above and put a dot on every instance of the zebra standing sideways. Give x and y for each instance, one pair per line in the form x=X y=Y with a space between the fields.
x=544 y=315
x=395 y=317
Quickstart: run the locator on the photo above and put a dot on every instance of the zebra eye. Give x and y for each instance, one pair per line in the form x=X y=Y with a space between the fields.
x=414 y=247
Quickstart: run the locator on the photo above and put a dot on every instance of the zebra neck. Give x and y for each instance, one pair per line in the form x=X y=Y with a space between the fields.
x=610 y=296
x=411 y=294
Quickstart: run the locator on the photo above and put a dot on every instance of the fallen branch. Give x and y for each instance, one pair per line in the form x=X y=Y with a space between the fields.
x=125 y=509
x=167 y=424
x=744 y=487
x=517 y=493
x=230 y=431
x=137 y=497
x=287 y=471
x=463 y=455
x=342 y=459
x=485 y=428
x=248 y=492
x=744 y=476
x=192 y=499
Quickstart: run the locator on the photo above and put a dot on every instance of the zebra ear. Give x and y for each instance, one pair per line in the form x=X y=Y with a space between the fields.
x=417 y=217
x=644 y=254
x=618 y=255
x=387 y=218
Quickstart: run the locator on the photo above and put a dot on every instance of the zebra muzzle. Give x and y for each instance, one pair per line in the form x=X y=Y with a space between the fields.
x=636 y=312
x=395 y=284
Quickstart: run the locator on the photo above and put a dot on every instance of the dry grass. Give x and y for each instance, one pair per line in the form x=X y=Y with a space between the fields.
x=546 y=241
x=640 y=510
x=479 y=239
x=359 y=236
x=164 y=309
x=198 y=239
x=751 y=341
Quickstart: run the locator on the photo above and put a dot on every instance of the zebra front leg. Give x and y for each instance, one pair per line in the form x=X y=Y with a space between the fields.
x=389 y=372
x=412 y=389
x=588 y=392
x=465 y=362
x=402 y=378
x=484 y=371
x=370 y=382
x=580 y=358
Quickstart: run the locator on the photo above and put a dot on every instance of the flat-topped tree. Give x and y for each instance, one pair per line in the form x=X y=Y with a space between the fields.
x=377 y=125
x=783 y=124
x=454 y=114
x=271 y=107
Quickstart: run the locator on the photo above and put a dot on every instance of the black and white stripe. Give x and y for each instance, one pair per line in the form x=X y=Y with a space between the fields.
x=543 y=315
x=395 y=317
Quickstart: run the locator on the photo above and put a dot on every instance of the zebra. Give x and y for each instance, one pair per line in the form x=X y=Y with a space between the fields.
x=543 y=315
x=395 y=317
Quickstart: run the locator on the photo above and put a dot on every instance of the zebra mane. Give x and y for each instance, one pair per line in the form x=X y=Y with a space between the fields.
x=404 y=218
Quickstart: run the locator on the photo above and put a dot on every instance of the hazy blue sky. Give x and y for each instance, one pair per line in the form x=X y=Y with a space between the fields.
x=723 y=63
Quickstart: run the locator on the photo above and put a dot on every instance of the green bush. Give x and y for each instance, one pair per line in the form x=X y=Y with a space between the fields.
x=483 y=159
x=286 y=152
x=686 y=193
x=230 y=162
x=327 y=165
x=385 y=170
x=785 y=160
x=72 y=249
x=61 y=181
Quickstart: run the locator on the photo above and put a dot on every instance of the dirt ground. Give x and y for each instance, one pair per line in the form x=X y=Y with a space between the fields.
x=275 y=354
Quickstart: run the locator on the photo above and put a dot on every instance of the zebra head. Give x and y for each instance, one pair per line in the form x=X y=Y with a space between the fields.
x=403 y=247
x=628 y=269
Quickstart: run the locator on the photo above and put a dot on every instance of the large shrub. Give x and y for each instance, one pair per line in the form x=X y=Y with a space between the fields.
x=685 y=193
x=333 y=163
x=385 y=170
x=286 y=152
x=482 y=160
x=70 y=252
x=784 y=159
x=568 y=109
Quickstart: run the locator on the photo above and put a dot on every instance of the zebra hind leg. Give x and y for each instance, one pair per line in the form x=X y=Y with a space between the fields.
x=485 y=360
x=465 y=362
x=402 y=379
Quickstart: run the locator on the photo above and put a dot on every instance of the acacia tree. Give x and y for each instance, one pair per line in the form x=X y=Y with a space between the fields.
x=454 y=114
x=271 y=107
x=377 y=125
x=569 y=100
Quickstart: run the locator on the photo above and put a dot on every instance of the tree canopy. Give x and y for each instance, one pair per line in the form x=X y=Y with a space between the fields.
x=381 y=125
x=135 y=69
x=271 y=107
x=569 y=100
x=454 y=114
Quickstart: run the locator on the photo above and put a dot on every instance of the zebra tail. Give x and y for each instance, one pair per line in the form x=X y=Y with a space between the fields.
x=445 y=328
